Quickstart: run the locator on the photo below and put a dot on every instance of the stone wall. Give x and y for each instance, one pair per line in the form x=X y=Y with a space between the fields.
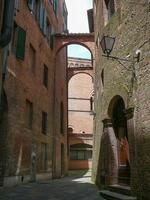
x=130 y=26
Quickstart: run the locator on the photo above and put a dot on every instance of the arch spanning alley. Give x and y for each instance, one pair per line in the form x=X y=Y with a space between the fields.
x=83 y=39
x=73 y=72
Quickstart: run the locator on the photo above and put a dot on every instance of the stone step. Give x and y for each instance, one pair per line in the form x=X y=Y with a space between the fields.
x=106 y=194
x=120 y=189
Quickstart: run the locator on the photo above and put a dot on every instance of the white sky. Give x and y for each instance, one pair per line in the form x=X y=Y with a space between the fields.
x=78 y=23
x=77 y=15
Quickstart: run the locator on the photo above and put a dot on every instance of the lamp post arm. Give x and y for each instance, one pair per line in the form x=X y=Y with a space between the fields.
x=117 y=58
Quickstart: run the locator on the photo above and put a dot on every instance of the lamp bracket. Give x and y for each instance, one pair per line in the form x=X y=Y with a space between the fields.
x=117 y=58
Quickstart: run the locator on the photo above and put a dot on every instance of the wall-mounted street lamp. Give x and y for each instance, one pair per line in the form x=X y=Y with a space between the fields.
x=107 y=44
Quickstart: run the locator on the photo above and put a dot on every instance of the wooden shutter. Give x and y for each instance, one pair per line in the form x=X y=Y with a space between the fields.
x=20 y=49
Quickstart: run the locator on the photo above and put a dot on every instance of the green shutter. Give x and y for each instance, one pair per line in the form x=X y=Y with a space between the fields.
x=52 y=38
x=20 y=49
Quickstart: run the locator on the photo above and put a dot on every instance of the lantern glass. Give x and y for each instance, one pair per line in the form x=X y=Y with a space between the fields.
x=107 y=44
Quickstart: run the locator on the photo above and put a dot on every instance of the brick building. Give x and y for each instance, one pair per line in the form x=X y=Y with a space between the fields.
x=35 y=143
x=122 y=140
x=80 y=106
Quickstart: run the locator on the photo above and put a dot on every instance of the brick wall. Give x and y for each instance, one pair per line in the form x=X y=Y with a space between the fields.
x=22 y=83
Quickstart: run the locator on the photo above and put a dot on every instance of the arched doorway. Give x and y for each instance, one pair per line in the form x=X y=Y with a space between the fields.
x=119 y=122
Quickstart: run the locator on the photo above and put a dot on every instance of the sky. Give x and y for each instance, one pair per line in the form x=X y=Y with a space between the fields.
x=78 y=23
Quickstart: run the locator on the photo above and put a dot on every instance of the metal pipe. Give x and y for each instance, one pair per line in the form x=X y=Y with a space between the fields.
x=7 y=24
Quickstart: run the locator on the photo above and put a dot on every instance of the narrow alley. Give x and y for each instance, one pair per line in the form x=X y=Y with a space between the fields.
x=68 y=188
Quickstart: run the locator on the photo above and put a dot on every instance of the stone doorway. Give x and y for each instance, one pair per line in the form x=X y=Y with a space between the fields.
x=119 y=123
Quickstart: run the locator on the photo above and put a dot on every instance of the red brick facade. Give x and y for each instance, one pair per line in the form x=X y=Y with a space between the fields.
x=36 y=149
x=80 y=131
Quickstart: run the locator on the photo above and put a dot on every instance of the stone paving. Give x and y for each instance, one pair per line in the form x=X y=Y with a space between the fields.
x=68 y=188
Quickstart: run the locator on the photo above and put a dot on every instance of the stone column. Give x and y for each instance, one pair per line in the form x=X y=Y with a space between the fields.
x=111 y=160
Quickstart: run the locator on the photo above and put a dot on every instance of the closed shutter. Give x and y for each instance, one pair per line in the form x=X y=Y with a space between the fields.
x=52 y=37
x=20 y=50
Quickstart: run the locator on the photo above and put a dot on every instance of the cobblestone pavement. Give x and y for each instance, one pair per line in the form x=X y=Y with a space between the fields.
x=68 y=188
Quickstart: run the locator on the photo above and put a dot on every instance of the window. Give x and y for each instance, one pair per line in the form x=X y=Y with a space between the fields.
x=14 y=38
x=44 y=122
x=61 y=118
x=91 y=103
x=34 y=6
x=29 y=114
x=45 y=76
x=109 y=9
x=16 y=6
x=102 y=77
x=54 y=3
x=32 y=58
x=43 y=156
x=65 y=15
x=48 y=30
x=52 y=37
x=18 y=42
x=80 y=154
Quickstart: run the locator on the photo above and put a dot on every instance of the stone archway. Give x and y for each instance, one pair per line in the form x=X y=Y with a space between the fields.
x=83 y=39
